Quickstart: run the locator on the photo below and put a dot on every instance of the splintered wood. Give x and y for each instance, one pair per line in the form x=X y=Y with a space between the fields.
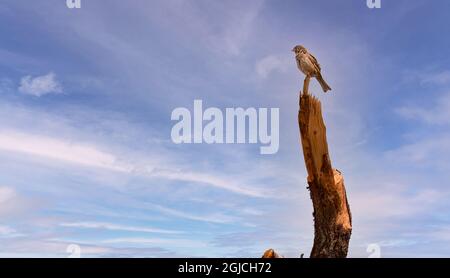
x=332 y=217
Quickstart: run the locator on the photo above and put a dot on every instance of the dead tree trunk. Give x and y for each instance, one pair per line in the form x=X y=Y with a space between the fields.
x=332 y=217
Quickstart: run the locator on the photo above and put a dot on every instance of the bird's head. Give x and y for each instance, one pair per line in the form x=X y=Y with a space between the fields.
x=299 y=49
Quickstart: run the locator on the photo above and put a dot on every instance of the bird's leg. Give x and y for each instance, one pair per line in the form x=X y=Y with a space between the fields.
x=306 y=85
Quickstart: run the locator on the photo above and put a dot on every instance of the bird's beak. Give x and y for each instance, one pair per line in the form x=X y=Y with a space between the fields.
x=293 y=50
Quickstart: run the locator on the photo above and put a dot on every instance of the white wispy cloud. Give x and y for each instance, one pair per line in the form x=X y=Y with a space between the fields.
x=9 y=233
x=115 y=227
x=215 y=181
x=271 y=63
x=40 y=85
x=158 y=241
x=428 y=76
x=212 y=218
x=433 y=150
x=397 y=242
x=90 y=155
x=53 y=148
x=6 y=231
x=438 y=114
x=231 y=30
x=399 y=203
x=238 y=27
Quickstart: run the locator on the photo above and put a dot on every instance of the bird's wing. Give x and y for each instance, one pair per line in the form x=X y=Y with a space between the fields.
x=314 y=60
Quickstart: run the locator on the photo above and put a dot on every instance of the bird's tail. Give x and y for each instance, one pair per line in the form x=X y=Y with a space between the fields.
x=323 y=84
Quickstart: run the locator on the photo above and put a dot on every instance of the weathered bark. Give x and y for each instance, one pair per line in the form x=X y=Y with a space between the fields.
x=332 y=217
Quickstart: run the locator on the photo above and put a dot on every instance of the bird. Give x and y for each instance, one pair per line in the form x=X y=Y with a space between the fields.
x=308 y=64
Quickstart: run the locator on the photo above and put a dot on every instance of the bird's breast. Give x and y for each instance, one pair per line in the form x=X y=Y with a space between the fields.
x=305 y=65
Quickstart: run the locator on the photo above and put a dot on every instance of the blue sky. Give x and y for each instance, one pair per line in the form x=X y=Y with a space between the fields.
x=86 y=97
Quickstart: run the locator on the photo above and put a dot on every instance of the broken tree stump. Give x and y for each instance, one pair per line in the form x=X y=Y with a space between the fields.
x=332 y=216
